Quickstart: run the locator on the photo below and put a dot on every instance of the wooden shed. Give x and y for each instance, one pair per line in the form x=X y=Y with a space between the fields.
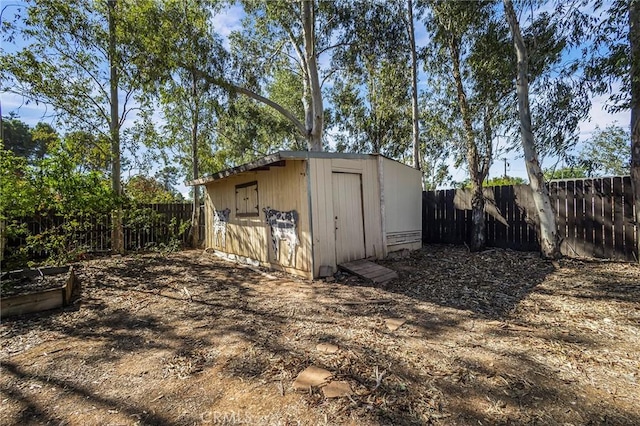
x=307 y=212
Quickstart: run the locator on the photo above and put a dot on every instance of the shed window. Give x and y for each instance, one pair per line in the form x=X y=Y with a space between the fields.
x=247 y=200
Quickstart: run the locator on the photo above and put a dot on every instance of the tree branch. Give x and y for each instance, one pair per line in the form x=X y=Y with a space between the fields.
x=126 y=111
x=58 y=106
x=329 y=74
x=343 y=43
x=244 y=91
x=301 y=60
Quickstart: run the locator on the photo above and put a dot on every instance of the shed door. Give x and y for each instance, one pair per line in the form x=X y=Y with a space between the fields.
x=348 y=216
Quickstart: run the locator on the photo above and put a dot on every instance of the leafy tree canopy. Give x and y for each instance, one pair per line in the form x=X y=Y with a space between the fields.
x=147 y=190
x=570 y=172
x=19 y=138
x=505 y=181
x=607 y=152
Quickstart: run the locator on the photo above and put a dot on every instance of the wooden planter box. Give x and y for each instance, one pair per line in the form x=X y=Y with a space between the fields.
x=37 y=301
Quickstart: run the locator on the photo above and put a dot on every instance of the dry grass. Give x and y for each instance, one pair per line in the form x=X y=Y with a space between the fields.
x=491 y=338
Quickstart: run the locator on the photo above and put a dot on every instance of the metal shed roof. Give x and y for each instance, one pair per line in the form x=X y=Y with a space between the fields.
x=276 y=160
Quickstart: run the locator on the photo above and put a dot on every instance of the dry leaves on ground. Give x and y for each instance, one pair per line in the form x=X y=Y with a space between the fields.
x=489 y=338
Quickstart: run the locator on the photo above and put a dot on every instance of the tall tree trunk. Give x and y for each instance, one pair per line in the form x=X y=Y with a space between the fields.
x=414 y=88
x=634 y=42
x=117 y=234
x=314 y=133
x=548 y=232
x=478 y=238
x=194 y=233
x=373 y=129
x=307 y=105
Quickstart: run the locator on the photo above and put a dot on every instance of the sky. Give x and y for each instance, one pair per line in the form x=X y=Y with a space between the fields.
x=229 y=20
x=598 y=117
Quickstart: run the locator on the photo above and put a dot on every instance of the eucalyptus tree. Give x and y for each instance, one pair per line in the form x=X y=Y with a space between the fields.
x=436 y=139
x=607 y=152
x=189 y=104
x=117 y=233
x=610 y=57
x=372 y=111
x=415 y=114
x=72 y=61
x=464 y=60
x=248 y=129
x=614 y=62
x=375 y=88
x=276 y=35
x=634 y=42
x=548 y=235
x=190 y=112
x=285 y=35
x=371 y=93
x=473 y=67
x=558 y=101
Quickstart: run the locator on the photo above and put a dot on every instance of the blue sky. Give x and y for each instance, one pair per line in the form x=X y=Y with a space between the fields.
x=229 y=20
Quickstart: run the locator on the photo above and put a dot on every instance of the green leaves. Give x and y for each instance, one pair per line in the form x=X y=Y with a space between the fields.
x=575 y=172
x=63 y=62
x=51 y=174
x=371 y=91
x=609 y=57
x=607 y=152
x=53 y=192
x=17 y=194
x=170 y=59
x=147 y=190
x=18 y=138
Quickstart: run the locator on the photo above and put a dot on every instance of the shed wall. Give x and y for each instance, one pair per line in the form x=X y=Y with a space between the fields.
x=324 y=233
x=402 y=196
x=281 y=188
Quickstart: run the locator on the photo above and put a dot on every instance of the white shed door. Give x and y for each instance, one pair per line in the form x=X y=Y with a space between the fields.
x=348 y=218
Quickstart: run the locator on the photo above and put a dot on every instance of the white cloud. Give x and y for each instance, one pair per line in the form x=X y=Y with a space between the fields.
x=226 y=21
x=602 y=118
x=28 y=112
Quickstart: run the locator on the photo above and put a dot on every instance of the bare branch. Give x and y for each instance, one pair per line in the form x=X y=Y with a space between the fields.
x=332 y=47
x=126 y=111
x=329 y=74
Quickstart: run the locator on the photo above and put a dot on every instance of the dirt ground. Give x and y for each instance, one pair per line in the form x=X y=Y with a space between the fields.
x=497 y=337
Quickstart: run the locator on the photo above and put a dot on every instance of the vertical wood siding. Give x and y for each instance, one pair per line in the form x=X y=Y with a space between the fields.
x=281 y=188
x=324 y=237
x=595 y=217
x=348 y=216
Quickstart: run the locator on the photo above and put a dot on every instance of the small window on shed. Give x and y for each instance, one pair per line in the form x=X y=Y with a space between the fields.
x=247 y=200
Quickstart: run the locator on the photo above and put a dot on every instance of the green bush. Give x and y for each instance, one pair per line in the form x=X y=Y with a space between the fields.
x=61 y=198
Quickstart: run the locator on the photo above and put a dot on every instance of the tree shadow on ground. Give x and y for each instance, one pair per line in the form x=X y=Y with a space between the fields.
x=185 y=324
x=34 y=412
x=489 y=283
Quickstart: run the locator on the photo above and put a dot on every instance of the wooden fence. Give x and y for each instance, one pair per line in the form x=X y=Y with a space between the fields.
x=595 y=217
x=145 y=226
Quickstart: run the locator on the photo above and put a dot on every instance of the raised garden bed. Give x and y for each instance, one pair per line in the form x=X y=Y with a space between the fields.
x=34 y=290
